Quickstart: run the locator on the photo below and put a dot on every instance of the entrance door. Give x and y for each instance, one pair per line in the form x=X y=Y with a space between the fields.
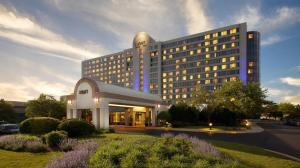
x=86 y=114
x=140 y=118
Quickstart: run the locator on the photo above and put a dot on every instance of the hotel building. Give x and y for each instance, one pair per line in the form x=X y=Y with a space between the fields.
x=173 y=68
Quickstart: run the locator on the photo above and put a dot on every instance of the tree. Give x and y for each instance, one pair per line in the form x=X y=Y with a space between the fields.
x=183 y=113
x=6 y=111
x=254 y=100
x=46 y=106
x=287 y=108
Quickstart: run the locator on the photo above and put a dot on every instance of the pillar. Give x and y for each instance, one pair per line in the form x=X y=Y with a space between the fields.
x=154 y=112
x=96 y=117
x=104 y=113
x=127 y=117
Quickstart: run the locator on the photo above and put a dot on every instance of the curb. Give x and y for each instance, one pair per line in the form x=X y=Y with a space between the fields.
x=285 y=155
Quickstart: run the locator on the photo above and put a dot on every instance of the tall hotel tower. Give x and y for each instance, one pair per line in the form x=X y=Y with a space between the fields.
x=173 y=68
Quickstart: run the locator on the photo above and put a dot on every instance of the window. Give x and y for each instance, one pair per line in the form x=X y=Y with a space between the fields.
x=233 y=65
x=207 y=56
x=183 y=77
x=199 y=76
x=207 y=43
x=224 y=33
x=184 y=96
x=198 y=51
x=215 y=68
x=232 y=31
x=191 y=52
x=206 y=49
x=232 y=44
x=184 y=48
x=207 y=75
x=191 y=77
x=164 y=74
x=165 y=51
x=207 y=69
x=223 y=59
x=183 y=59
x=233 y=78
x=207 y=36
x=232 y=58
x=164 y=57
x=223 y=46
x=224 y=66
x=215 y=41
x=215 y=48
x=250 y=36
x=207 y=81
x=170 y=56
x=215 y=35
x=251 y=64
x=177 y=49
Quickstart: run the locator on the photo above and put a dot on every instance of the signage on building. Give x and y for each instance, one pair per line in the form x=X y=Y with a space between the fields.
x=83 y=91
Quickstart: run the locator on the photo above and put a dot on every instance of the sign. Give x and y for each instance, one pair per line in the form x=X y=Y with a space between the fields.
x=83 y=91
x=140 y=44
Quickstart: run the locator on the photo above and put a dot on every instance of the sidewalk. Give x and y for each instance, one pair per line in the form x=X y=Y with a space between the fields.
x=254 y=129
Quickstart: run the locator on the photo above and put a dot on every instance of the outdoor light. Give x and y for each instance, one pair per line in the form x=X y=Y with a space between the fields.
x=158 y=106
x=69 y=101
x=210 y=126
x=96 y=99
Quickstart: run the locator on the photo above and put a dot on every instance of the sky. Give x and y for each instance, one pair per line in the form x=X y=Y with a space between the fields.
x=42 y=42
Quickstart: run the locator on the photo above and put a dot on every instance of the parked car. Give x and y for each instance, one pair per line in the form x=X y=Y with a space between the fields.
x=292 y=121
x=9 y=128
x=3 y=122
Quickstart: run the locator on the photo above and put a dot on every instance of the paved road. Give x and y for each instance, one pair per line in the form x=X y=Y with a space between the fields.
x=277 y=137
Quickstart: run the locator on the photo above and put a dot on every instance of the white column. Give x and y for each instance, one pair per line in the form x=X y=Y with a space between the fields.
x=154 y=115
x=104 y=113
x=96 y=117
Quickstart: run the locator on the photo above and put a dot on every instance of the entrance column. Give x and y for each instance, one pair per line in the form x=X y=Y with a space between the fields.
x=104 y=113
x=96 y=117
x=154 y=112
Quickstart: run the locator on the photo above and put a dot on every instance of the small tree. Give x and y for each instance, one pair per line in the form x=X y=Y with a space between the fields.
x=287 y=108
x=6 y=111
x=46 y=106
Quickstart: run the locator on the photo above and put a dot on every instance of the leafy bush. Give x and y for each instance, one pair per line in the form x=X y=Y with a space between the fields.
x=20 y=143
x=54 y=138
x=182 y=113
x=76 y=128
x=225 y=117
x=78 y=158
x=39 y=125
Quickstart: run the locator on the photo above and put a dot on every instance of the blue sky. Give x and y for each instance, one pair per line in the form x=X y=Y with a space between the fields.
x=42 y=42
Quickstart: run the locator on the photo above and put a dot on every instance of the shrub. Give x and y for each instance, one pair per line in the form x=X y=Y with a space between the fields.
x=78 y=158
x=109 y=130
x=76 y=128
x=183 y=113
x=225 y=117
x=54 y=138
x=67 y=144
x=20 y=143
x=39 y=125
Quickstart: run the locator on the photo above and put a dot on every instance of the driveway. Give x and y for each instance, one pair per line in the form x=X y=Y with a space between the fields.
x=276 y=137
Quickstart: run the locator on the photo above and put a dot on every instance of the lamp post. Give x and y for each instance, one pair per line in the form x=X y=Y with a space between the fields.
x=210 y=126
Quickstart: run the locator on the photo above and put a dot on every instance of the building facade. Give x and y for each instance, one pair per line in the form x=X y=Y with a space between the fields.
x=172 y=69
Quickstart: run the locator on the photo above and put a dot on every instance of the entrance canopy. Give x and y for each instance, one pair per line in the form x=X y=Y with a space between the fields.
x=97 y=97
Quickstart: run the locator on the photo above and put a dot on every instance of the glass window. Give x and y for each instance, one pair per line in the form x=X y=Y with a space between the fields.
x=207 y=43
x=250 y=36
x=215 y=41
x=207 y=36
x=224 y=66
x=223 y=59
x=224 y=33
x=184 y=48
x=215 y=35
x=233 y=31
x=233 y=65
x=232 y=58
x=191 y=52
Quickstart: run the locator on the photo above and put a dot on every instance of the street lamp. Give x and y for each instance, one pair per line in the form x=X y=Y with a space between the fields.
x=210 y=126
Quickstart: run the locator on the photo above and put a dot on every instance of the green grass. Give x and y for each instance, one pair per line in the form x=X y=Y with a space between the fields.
x=254 y=156
x=9 y=159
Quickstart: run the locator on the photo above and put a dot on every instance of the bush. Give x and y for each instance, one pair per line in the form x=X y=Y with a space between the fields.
x=39 y=125
x=76 y=128
x=54 y=138
x=20 y=143
x=225 y=117
x=78 y=158
x=183 y=113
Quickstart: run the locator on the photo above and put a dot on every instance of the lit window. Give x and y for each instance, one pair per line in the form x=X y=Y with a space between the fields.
x=184 y=96
x=164 y=57
x=198 y=51
x=233 y=78
x=232 y=31
x=250 y=36
x=207 y=36
x=177 y=61
x=251 y=64
x=223 y=59
x=191 y=77
x=170 y=56
x=207 y=69
x=224 y=33
x=215 y=68
x=233 y=65
x=164 y=74
x=199 y=76
x=207 y=75
x=215 y=41
x=164 y=97
x=215 y=75
x=207 y=56
x=232 y=44
x=224 y=66
x=191 y=52
x=164 y=86
x=207 y=43
x=232 y=58
x=165 y=51
x=170 y=96
x=207 y=49
x=215 y=48
x=164 y=80
x=207 y=81
x=250 y=71
x=177 y=49
x=184 y=48
x=184 y=72
x=223 y=46
x=183 y=59
x=215 y=35
x=171 y=50
x=183 y=77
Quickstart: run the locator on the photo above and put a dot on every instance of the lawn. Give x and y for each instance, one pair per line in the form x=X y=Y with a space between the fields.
x=125 y=148
x=10 y=159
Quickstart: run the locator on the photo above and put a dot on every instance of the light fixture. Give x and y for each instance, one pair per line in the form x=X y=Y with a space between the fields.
x=96 y=99
x=69 y=101
x=158 y=106
x=210 y=126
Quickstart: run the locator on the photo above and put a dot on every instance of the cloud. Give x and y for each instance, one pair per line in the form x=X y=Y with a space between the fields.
x=279 y=18
x=284 y=95
x=25 y=31
x=295 y=99
x=291 y=81
x=272 y=40
x=196 y=17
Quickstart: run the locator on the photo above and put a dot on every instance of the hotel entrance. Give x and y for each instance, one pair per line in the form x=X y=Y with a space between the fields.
x=86 y=114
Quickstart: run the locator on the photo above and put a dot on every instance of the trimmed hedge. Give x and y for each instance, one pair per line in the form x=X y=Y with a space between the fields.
x=39 y=125
x=54 y=138
x=76 y=128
